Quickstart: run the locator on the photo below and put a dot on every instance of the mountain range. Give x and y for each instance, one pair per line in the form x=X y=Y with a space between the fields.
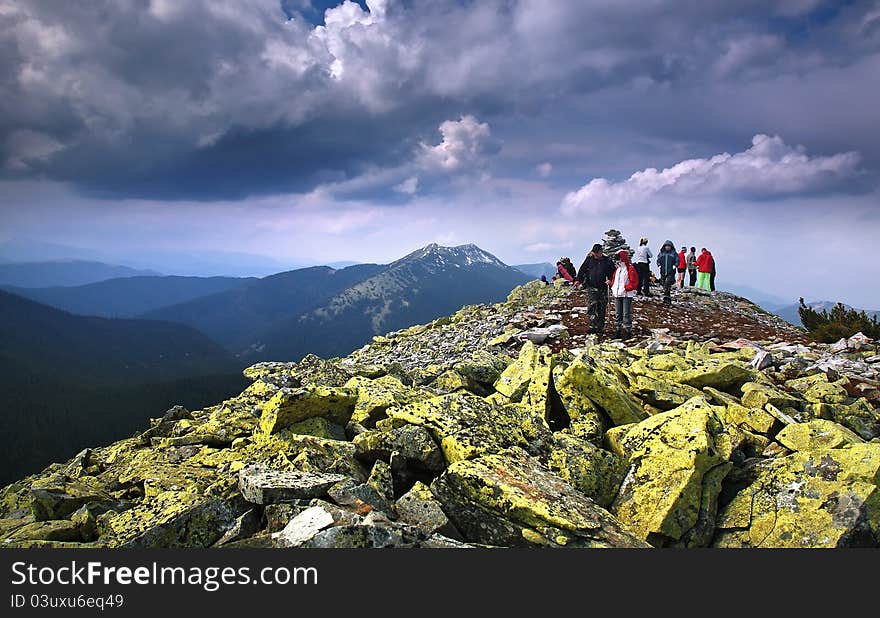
x=536 y=270
x=128 y=296
x=63 y=273
x=790 y=312
x=321 y=310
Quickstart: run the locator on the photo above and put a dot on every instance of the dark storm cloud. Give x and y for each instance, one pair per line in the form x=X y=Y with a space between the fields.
x=220 y=99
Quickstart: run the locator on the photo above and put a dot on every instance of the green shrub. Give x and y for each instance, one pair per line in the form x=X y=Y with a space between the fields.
x=841 y=322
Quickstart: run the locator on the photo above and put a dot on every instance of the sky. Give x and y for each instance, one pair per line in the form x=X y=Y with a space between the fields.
x=313 y=132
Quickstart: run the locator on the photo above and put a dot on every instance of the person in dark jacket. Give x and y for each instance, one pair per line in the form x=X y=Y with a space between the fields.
x=593 y=276
x=667 y=260
x=692 y=267
x=712 y=276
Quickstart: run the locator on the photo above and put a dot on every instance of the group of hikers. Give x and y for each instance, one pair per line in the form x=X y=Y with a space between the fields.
x=626 y=279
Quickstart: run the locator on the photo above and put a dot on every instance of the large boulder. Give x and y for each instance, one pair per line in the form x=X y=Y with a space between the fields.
x=374 y=397
x=514 y=380
x=511 y=499
x=585 y=419
x=56 y=497
x=418 y=507
x=677 y=461
x=465 y=426
x=292 y=405
x=412 y=442
x=603 y=387
x=172 y=519
x=816 y=434
x=818 y=498
x=593 y=471
x=261 y=486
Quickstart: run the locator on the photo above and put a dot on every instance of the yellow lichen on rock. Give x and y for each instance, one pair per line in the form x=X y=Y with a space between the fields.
x=816 y=498
x=816 y=434
x=670 y=455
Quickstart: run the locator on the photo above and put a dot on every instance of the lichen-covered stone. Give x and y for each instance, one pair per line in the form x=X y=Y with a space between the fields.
x=451 y=381
x=816 y=434
x=381 y=480
x=826 y=392
x=511 y=499
x=757 y=395
x=585 y=418
x=603 y=388
x=593 y=471
x=172 y=519
x=48 y=530
x=670 y=457
x=261 y=486
x=483 y=367
x=292 y=405
x=56 y=497
x=859 y=416
x=419 y=508
x=817 y=498
x=753 y=419
x=663 y=394
x=464 y=425
x=374 y=397
x=514 y=380
x=318 y=427
x=411 y=441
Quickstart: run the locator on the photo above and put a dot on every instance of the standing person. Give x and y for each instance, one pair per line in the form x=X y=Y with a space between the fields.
x=642 y=261
x=692 y=267
x=624 y=282
x=564 y=271
x=712 y=273
x=705 y=264
x=682 y=266
x=668 y=261
x=594 y=275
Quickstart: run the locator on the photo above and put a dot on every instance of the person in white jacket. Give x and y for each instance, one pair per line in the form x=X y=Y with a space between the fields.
x=623 y=285
x=641 y=261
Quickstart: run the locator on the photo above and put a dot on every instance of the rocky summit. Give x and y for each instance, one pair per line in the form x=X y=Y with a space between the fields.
x=716 y=425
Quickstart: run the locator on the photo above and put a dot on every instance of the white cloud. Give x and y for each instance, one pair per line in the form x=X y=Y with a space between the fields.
x=540 y=247
x=465 y=144
x=544 y=169
x=769 y=169
x=409 y=186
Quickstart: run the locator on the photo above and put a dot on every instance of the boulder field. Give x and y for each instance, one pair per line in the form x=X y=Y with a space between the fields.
x=474 y=431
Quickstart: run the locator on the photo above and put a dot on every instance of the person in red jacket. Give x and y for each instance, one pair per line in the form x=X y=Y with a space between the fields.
x=705 y=266
x=682 y=266
x=624 y=282
x=565 y=268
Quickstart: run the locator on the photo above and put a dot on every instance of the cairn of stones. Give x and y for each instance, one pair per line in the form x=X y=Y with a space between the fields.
x=613 y=242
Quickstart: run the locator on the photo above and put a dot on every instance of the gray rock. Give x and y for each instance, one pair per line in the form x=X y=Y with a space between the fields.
x=303 y=527
x=411 y=441
x=419 y=508
x=261 y=486
x=361 y=497
x=247 y=524
x=762 y=360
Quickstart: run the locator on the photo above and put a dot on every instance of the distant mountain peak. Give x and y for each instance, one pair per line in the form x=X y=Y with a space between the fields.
x=464 y=255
